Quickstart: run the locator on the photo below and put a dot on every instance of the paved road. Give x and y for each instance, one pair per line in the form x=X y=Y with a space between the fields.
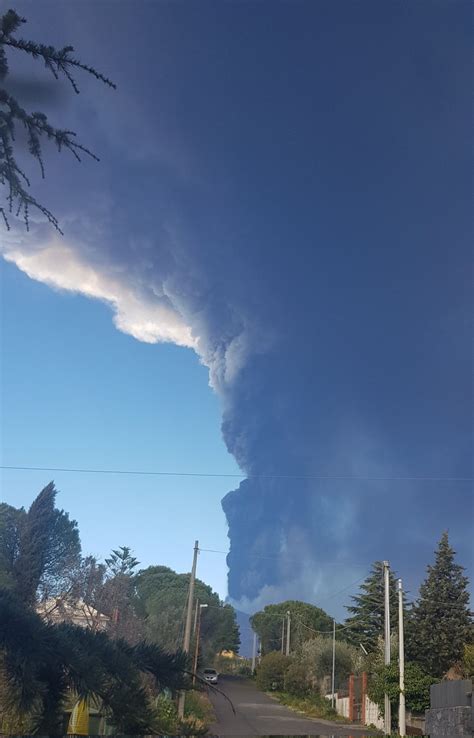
x=258 y=714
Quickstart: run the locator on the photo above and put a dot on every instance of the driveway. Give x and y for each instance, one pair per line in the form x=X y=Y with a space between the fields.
x=258 y=714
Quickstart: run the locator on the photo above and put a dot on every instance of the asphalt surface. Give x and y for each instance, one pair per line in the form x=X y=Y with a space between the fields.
x=258 y=714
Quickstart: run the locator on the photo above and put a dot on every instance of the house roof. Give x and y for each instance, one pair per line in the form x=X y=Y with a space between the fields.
x=59 y=607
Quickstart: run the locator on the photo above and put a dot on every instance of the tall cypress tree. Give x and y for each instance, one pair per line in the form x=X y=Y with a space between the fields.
x=366 y=623
x=441 y=617
x=48 y=549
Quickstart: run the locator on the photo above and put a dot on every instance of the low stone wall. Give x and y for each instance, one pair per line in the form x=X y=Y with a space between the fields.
x=449 y=721
x=450 y=712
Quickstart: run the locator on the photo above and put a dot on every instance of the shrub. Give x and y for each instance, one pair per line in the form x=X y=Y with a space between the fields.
x=244 y=670
x=271 y=671
x=316 y=656
x=192 y=727
x=468 y=661
x=167 y=715
x=197 y=706
x=417 y=686
x=312 y=705
x=296 y=680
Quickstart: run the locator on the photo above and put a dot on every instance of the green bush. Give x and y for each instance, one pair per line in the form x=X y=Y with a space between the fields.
x=468 y=661
x=167 y=715
x=296 y=680
x=244 y=670
x=198 y=706
x=316 y=657
x=271 y=671
x=313 y=705
x=417 y=686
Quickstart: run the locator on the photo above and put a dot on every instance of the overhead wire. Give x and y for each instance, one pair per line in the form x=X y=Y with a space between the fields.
x=276 y=557
x=235 y=475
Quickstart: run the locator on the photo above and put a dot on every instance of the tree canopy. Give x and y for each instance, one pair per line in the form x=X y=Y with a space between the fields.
x=306 y=620
x=161 y=596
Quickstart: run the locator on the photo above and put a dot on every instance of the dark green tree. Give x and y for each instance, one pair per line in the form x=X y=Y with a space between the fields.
x=121 y=562
x=366 y=621
x=223 y=631
x=306 y=621
x=62 y=64
x=441 y=624
x=161 y=596
x=117 y=595
x=10 y=523
x=39 y=549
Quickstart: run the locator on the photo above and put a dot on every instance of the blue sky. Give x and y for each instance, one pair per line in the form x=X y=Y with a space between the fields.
x=283 y=211
x=76 y=392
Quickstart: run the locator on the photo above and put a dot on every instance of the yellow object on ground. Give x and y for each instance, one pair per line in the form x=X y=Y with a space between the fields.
x=79 y=720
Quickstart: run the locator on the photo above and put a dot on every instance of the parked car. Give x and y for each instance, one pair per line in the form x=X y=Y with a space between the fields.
x=210 y=675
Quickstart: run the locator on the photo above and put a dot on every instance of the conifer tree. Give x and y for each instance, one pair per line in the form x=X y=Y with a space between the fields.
x=366 y=622
x=47 y=551
x=442 y=621
x=121 y=562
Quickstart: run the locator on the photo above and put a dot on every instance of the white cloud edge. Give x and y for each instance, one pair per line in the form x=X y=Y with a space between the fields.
x=60 y=266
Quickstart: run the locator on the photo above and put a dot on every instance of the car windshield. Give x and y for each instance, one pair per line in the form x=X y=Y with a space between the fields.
x=210 y=671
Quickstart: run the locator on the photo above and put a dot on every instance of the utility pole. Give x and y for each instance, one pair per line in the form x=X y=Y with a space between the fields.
x=198 y=635
x=283 y=636
x=333 y=680
x=254 y=652
x=386 y=581
x=288 y=627
x=189 y=618
x=401 y=659
x=195 y=616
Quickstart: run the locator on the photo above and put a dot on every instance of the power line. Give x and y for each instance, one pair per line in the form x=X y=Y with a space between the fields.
x=277 y=558
x=320 y=477
x=344 y=589
x=338 y=627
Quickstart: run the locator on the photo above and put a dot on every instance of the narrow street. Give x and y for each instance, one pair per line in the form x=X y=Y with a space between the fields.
x=258 y=714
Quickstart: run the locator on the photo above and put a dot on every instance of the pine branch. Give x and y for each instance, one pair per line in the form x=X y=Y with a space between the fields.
x=58 y=61
x=61 y=63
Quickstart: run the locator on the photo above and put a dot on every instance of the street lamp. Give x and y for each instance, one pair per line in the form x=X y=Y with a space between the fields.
x=198 y=633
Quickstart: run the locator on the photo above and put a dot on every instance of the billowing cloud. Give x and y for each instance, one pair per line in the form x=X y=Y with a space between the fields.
x=155 y=293
x=251 y=209
x=137 y=312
